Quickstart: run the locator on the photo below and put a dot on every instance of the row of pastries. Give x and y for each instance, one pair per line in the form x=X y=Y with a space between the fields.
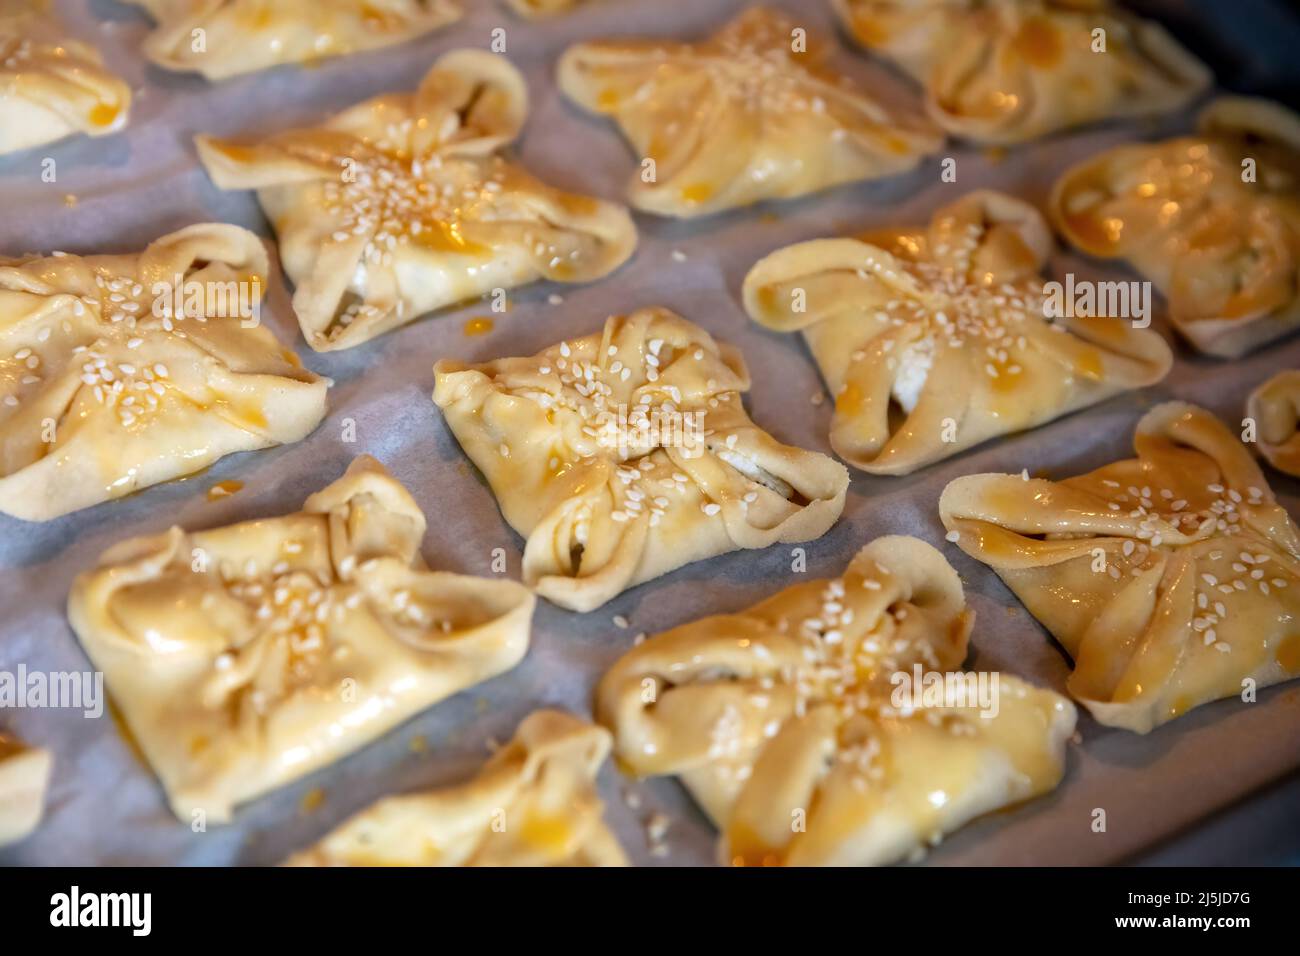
x=245 y=657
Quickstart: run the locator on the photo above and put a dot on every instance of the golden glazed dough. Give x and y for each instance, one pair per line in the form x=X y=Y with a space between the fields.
x=543 y=8
x=791 y=724
x=693 y=477
x=1275 y=409
x=1213 y=220
x=107 y=387
x=534 y=803
x=247 y=656
x=223 y=38
x=935 y=339
x=1170 y=578
x=741 y=117
x=52 y=86
x=402 y=205
x=24 y=776
x=1010 y=71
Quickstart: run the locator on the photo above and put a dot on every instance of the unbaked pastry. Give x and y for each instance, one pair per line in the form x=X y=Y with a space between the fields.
x=402 y=205
x=935 y=339
x=24 y=775
x=740 y=117
x=1170 y=578
x=534 y=803
x=1275 y=409
x=223 y=38
x=1009 y=71
x=625 y=454
x=107 y=387
x=1225 y=252
x=791 y=724
x=247 y=656
x=542 y=8
x=52 y=86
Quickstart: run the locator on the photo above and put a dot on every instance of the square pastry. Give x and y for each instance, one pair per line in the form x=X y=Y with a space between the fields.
x=1274 y=408
x=1212 y=219
x=403 y=205
x=1172 y=578
x=543 y=8
x=534 y=803
x=118 y=372
x=937 y=338
x=52 y=86
x=245 y=657
x=753 y=113
x=1009 y=71
x=625 y=454
x=831 y=724
x=24 y=776
x=223 y=38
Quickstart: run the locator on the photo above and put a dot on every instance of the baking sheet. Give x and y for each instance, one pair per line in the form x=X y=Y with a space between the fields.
x=106 y=807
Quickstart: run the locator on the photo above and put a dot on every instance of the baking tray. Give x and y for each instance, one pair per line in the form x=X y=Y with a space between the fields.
x=106 y=807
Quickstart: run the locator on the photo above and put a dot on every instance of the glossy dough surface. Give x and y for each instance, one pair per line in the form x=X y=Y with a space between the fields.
x=24 y=776
x=785 y=714
x=1275 y=409
x=543 y=8
x=402 y=205
x=534 y=803
x=1225 y=252
x=935 y=339
x=1170 y=578
x=52 y=86
x=242 y=36
x=599 y=516
x=106 y=387
x=1009 y=71
x=247 y=656
x=740 y=117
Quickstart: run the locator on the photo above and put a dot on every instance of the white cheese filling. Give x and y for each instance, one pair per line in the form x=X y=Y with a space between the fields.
x=914 y=364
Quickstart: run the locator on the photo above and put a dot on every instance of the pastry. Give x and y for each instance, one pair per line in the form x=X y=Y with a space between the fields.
x=52 y=86
x=245 y=657
x=118 y=372
x=935 y=339
x=1010 y=71
x=542 y=8
x=625 y=454
x=534 y=803
x=1171 y=578
x=24 y=775
x=402 y=205
x=223 y=38
x=1213 y=220
x=798 y=726
x=1274 y=407
x=753 y=113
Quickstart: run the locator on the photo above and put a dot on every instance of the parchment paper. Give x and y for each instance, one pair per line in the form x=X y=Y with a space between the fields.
x=106 y=807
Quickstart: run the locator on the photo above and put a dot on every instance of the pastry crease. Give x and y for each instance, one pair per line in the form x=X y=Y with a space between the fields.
x=534 y=803
x=785 y=723
x=402 y=205
x=1011 y=71
x=24 y=777
x=52 y=86
x=107 y=387
x=1212 y=220
x=933 y=340
x=739 y=118
x=1275 y=409
x=245 y=657
x=1172 y=579
x=224 y=38
x=693 y=477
